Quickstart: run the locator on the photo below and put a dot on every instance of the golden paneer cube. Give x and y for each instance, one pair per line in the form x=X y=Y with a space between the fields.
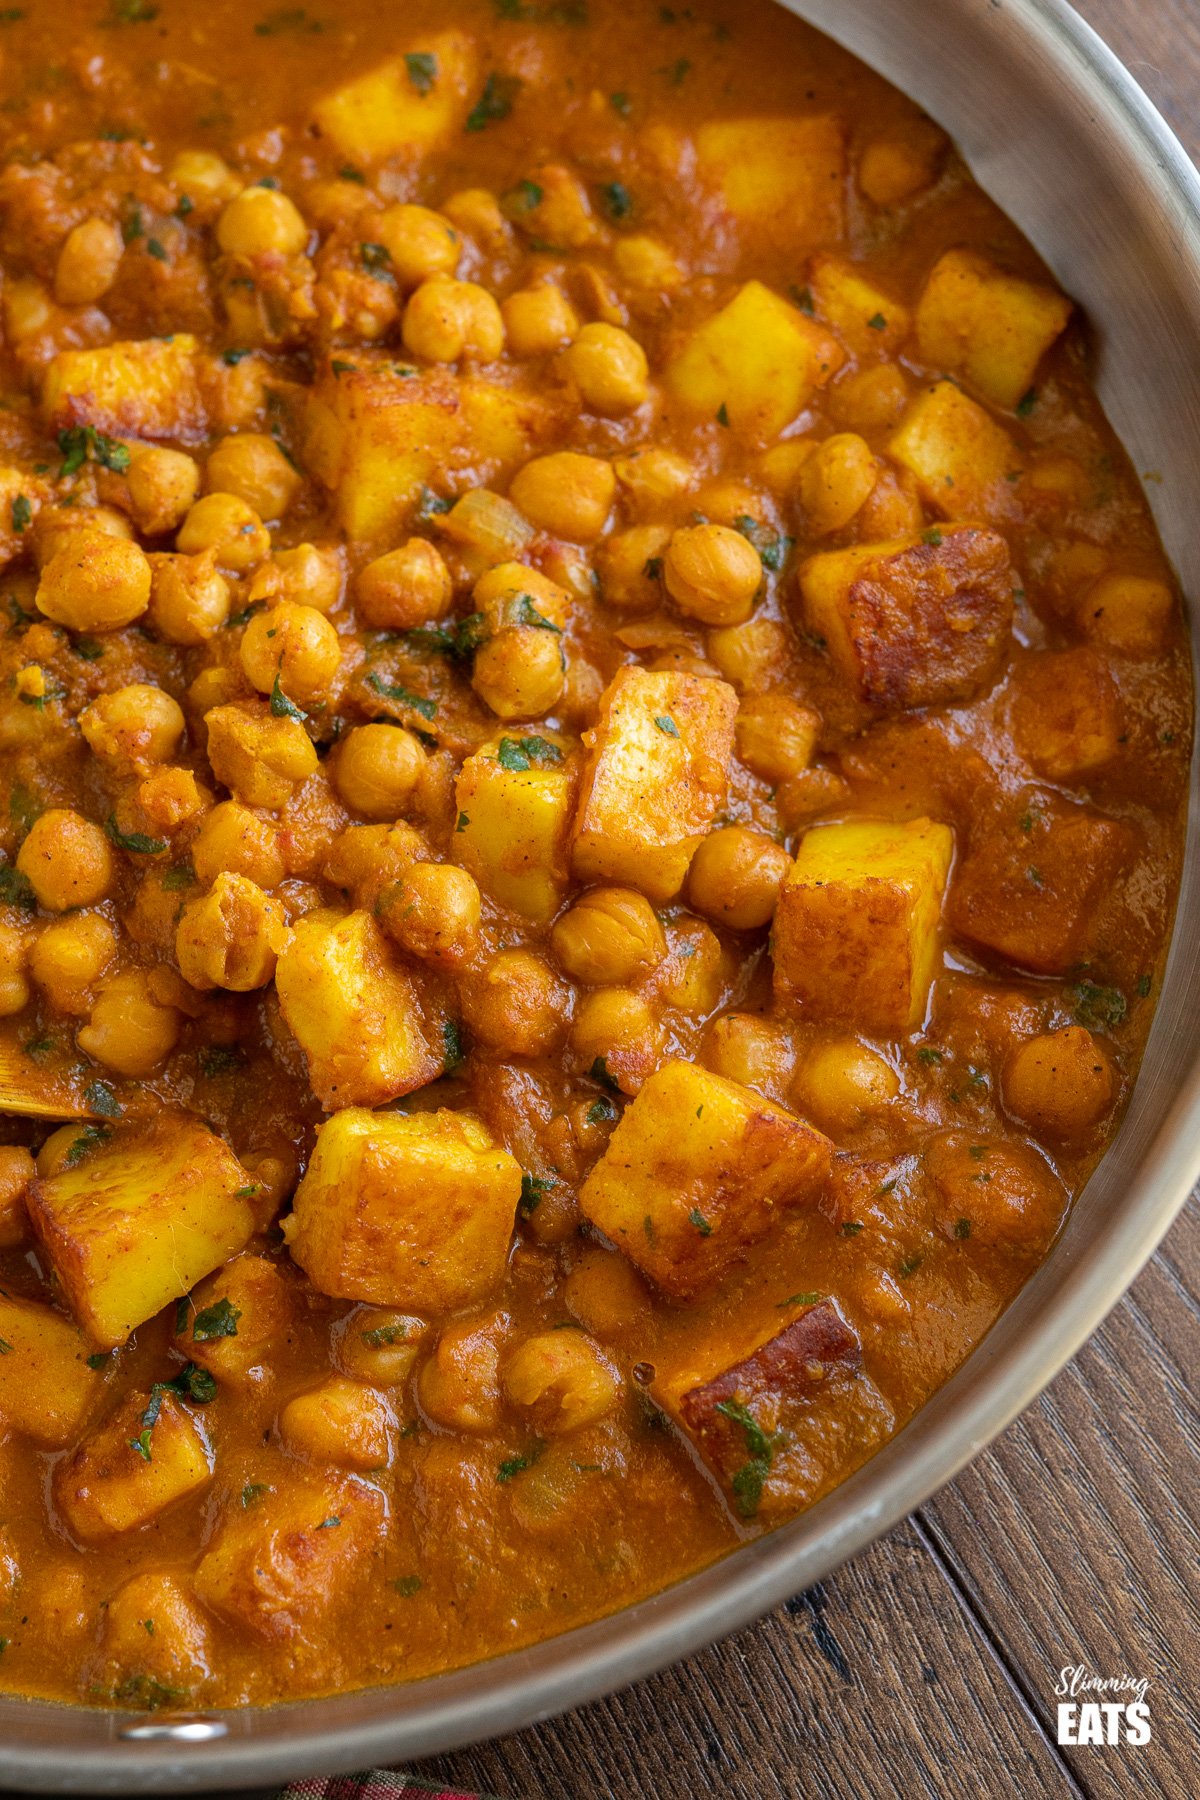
x=860 y=315
x=376 y=433
x=755 y=364
x=409 y=103
x=916 y=622
x=149 y=1454
x=697 y=1171
x=855 y=940
x=139 y=1218
x=355 y=1013
x=409 y=1210
x=965 y=464
x=788 y=175
x=149 y=389
x=516 y=798
x=296 y=1555
x=655 y=778
x=46 y=1386
x=989 y=328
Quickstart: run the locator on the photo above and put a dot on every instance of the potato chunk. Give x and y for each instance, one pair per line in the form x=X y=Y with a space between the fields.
x=755 y=364
x=1029 y=882
x=149 y=390
x=341 y=1421
x=149 y=1454
x=1066 y=713
x=917 y=622
x=295 y=1556
x=964 y=463
x=409 y=103
x=46 y=1386
x=995 y=1191
x=376 y=436
x=856 y=928
x=229 y=1323
x=655 y=778
x=695 y=1172
x=516 y=798
x=788 y=174
x=139 y=1218
x=992 y=329
x=155 y=1644
x=863 y=317
x=777 y=1425
x=354 y=1012
x=408 y=1210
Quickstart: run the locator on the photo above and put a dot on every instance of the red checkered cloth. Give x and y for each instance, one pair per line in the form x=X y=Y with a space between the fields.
x=375 y=1784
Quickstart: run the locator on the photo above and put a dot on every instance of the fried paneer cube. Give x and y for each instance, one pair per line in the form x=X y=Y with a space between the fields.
x=516 y=800
x=777 y=1426
x=152 y=1452
x=296 y=1555
x=655 y=778
x=149 y=389
x=46 y=1386
x=755 y=364
x=855 y=939
x=990 y=328
x=965 y=465
x=407 y=1210
x=696 y=1172
x=409 y=103
x=785 y=174
x=919 y=621
x=139 y=1218
x=1065 y=713
x=1030 y=882
x=354 y=1011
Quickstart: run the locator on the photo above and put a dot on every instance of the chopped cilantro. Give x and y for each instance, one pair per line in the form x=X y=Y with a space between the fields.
x=376 y=257
x=83 y=443
x=699 y=1223
x=252 y=1493
x=1099 y=1008
x=806 y=1299
x=402 y=696
x=495 y=102
x=600 y=1112
x=516 y=1465
x=962 y=1228
x=518 y=755
x=533 y=1187
x=136 y=842
x=99 y=1359
x=932 y=537
x=282 y=707
x=747 y=1482
x=453 y=1050
x=722 y=414
x=599 y=1071
x=408 y=1585
x=616 y=200
x=179 y=875
x=927 y=1054
x=772 y=546
x=102 y=1100
x=22 y=513
x=16 y=889
x=422 y=67
x=378 y=1337
x=621 y=103
x=1026 y=403
x=528 y=614
x=877 y=323
x=89 y=1139
x=524 y=198
x=220 y=1320
x=666 y=724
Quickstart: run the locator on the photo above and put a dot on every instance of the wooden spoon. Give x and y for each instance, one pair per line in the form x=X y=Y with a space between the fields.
x=25 y=1090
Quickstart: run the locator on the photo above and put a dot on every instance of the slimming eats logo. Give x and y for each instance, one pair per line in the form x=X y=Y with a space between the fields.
x=1101 y=1709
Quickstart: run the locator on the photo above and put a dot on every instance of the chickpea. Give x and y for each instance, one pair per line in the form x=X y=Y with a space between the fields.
x=603 y=1291
x=128 y=1030
x=134 y=726
x=229 y=528
x=841 y=1083
x=566 y=494
x=746 y=1048
x=775 y=736
x=251 y=466
x=376 y=769
x=646 y=263
x=519 y=673
x=459 y=1386
x=70 y=956
x=560 y=1381
x=629 y=566
x=214 y=686
x=67 y=860
x=27 y=309
x=1130 y=613
x=517 y=1004
x=87 y=263
x=712 y=573
x=434 y=913
x=341 y=1422
x=202 y=173
x=895 y=167
x=162 y=486
x=420 y=243
x=870 y=400
x=610 y=936
x=14 y=985
x=652 y=477
x=52 y=1157
x=477 y=211
x=95 y=582
x=261 y=221
x=367 y=860
x=406 y=587
x=609 y=368
x=17 y=1170
x=293 y=645
x=539 y=320
x=736 y=876
x=1060 y=1082
x=258 y=757
x=447 y=319
x=236 y=840
x=230 y=937
x=55 y=526
x=836 y=481
x=189 y=598
x=693 y=976
x=618 y=1026
x=308 y=573
x=505 y=593
x=379 y=1344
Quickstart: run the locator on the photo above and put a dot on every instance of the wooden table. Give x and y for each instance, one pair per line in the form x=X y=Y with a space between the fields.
x=927 y=1666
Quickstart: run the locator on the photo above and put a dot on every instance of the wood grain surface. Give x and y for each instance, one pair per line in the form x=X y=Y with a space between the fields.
x=925 y=1669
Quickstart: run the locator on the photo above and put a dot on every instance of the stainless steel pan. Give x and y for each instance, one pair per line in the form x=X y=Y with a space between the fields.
x=1060 y=135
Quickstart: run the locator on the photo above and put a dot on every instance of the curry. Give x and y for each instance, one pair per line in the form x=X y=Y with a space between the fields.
x=594 y=738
